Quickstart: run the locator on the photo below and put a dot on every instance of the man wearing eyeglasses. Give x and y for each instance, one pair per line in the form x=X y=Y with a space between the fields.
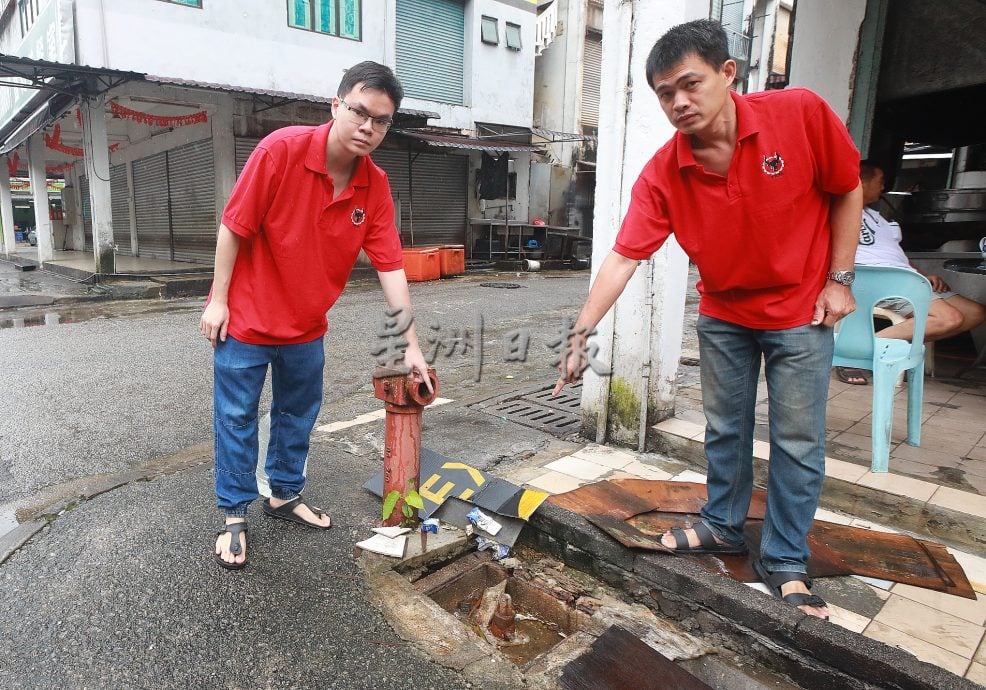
x=308 y=200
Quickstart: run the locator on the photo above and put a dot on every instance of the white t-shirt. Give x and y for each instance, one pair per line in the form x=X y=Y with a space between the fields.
x=879 y=242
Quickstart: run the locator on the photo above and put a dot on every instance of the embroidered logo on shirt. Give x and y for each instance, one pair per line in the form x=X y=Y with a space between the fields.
x=772 y=165
x=359 y=215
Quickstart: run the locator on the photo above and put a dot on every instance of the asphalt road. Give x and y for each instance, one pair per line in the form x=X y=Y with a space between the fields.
x=126 y=382
x=122 y=590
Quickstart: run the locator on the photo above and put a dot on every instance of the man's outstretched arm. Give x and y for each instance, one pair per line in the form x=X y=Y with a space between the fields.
x=606 y=288
x=397 y=294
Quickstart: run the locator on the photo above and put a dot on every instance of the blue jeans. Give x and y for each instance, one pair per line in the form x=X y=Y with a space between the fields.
x=239 y=371
x=798 y=363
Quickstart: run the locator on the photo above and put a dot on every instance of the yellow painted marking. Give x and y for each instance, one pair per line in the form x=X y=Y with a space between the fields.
x=426 y=492
x=529 y=502
x=476 y=475
x=466 y=494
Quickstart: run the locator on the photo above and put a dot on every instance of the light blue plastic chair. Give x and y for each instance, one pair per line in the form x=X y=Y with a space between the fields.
x=856 y=345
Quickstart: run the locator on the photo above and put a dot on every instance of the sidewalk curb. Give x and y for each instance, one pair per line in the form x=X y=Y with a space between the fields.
x=17 y=537
x=814 y=653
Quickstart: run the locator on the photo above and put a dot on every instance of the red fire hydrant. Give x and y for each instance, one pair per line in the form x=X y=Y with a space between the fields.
x=403 y=399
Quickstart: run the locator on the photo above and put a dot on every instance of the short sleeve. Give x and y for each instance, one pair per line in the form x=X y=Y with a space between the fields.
x=835 y=155
x=645 y=226
x=382 y=243
x=252 y=194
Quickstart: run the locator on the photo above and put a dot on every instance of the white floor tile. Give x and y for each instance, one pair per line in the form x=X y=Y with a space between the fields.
x=576 y=467
x=689 y=476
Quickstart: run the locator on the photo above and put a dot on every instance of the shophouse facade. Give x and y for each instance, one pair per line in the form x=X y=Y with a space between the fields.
x=150 y=108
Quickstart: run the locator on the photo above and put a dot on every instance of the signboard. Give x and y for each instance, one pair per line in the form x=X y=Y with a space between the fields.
x=443 y=478
x=22 y=185
x=50 y=37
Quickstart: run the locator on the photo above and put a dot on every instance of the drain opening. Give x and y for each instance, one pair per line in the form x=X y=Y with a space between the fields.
x=535 y=408
x=522 y=621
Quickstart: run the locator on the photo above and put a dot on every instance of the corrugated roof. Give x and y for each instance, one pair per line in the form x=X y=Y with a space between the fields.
x=285 y=95
x=458 y=142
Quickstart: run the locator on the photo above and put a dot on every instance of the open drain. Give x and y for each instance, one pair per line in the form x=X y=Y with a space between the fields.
x=536 y=621
x=535 y=408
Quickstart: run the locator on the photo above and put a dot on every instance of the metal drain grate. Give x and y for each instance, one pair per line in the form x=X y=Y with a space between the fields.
x=535 y=408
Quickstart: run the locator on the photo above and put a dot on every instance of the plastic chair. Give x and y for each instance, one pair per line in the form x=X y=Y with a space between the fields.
x=856 y=345
x=929 y=348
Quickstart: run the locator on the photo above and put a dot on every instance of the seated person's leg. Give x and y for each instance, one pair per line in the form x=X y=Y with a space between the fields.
x=973 y=313
x=943 y=320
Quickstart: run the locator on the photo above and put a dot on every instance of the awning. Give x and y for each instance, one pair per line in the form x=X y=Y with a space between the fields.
x=488 y=130
x=270 y=97
x=59 y=84
x=56 y=85
x=449 y=141
x=33 y=123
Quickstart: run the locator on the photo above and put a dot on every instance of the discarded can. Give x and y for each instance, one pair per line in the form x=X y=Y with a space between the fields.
x=430 y=525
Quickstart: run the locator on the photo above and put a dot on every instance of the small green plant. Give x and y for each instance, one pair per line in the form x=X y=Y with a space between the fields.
x=412 y=500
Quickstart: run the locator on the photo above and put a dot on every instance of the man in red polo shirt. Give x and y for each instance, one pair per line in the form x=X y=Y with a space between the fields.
x=307 y=201
x=762 y=192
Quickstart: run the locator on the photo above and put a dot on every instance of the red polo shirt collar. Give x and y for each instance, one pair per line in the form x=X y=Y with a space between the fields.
x=315 y=160
x=747 y=124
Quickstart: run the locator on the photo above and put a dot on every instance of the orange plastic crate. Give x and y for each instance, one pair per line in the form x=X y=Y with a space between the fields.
x=453 y=259
x=422 y=263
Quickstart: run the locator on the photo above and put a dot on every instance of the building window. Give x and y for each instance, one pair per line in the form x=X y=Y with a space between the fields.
x=28 y=11
x=512 y=36
x=490 y=31
x=341 y=18
x=186 y=3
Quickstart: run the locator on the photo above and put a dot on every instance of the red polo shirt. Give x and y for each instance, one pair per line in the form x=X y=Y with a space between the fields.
x=760 y=236
x=298 y=246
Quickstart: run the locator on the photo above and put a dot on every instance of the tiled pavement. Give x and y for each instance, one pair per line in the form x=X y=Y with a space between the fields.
x=941 y=629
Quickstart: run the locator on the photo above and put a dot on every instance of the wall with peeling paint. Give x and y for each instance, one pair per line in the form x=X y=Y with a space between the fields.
x=640 y=339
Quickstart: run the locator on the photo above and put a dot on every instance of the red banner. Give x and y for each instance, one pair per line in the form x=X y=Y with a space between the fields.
x=157 y=120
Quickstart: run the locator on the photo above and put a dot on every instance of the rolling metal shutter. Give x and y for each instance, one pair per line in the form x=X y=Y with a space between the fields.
x=591 y=74
x=394 y=163
x=244 y=147
x=430 y=49
x=86 y=212
x=192 y=191
x=440 y=199
x=120 y=201
x=151 y=204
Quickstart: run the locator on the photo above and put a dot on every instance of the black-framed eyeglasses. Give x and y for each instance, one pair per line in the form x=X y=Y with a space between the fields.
x=357 y=116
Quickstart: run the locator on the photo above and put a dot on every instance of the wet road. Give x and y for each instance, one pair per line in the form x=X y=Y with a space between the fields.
x=116 y=384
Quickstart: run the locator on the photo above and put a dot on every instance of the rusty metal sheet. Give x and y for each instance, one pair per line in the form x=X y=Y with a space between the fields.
x=636 y=512
x=681 y=497
x=618 y=660
x=835 y=550
x=627 y=497
x=602 y=498
x=625 y=533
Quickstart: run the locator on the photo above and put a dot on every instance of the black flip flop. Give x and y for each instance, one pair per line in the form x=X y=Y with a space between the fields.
x=707 y=541
x=286 y=512
x=234 y=530
x=774 y=581
x=846 y=373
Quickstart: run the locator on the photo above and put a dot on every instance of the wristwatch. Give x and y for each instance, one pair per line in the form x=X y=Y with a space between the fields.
x=842 y=277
